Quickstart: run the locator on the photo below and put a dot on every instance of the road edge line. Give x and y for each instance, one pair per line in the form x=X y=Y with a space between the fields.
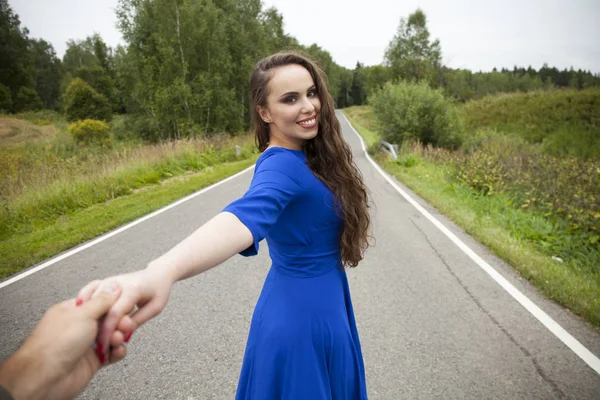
x=579 y=349
x=114 y=232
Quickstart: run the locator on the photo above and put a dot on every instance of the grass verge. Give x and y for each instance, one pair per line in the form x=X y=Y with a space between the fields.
x=496 y=224
x=44 y=239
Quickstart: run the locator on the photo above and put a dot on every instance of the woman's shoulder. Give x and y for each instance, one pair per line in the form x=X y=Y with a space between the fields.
x=286 y=162
x=282 y=160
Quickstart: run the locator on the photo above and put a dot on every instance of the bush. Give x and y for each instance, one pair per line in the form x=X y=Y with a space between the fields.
x=415 y=111
x=28 y=99
x=100 y=81
x=5 y=99
x=407 y=161
x=559 y=188
x=90 y=131
x=83 y=102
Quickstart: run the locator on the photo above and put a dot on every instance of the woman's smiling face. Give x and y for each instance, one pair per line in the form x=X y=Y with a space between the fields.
x=293 y=106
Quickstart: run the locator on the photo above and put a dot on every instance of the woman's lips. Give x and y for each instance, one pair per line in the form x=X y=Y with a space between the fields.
x=308 y=123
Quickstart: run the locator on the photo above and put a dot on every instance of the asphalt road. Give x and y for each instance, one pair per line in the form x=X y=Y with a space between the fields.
x=432 y=323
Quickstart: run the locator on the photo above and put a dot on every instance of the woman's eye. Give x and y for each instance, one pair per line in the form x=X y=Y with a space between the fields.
x=293 y=99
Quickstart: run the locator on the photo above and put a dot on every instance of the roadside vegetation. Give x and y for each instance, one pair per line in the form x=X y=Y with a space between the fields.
x=530 y=191
x=56 y=190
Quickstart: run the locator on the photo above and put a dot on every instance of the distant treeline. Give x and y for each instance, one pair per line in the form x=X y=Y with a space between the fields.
x=185 y=67
x=412 y=56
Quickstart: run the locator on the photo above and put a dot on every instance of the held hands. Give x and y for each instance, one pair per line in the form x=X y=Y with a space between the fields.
x=57 y=360
x=149 y=289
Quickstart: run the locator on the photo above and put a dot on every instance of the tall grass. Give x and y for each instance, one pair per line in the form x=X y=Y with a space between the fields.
x=46 y=179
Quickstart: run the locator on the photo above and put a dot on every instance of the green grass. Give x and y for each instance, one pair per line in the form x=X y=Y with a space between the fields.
x=364 y=118
x=108 y=180
x=493 y=221
x=56 y=193
x=45 y=239
x=564 y=122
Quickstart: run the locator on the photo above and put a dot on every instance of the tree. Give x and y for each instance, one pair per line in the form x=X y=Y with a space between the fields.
x=275 y=39
x=186 y=65
x=5 y=99
x=189 y=62
x=103 y=53
x=16 y=62
x=83 y=102
x=27 y=99
x=459 y=84
x=125 y=80
x=357 y=90
x=375 y=77
x=344 y=98
x=98 y=78
x=48 y=72
x=79 y=54
x=410 y=54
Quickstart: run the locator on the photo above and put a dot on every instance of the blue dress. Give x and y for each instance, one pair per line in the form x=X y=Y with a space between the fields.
x=303 y=343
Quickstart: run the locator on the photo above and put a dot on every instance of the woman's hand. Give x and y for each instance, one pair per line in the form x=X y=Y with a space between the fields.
x=149 y=289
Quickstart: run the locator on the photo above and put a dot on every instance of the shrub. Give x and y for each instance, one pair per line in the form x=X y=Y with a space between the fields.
x=90 y=131
x=83 y=102
x=565 y=188
x=415 y=111
x=27 y=99
x=5 y=99
x=407 y=161
x=98 y=78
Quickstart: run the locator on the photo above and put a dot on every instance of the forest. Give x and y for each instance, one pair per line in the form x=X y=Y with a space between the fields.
x=185 y=67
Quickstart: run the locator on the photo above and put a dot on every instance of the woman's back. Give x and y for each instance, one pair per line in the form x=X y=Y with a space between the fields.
x=303 y=342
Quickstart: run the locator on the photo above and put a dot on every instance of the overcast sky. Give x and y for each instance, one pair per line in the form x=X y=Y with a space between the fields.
x=477 y=35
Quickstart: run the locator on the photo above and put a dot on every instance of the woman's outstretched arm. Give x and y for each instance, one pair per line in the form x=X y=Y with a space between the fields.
x=211 y=244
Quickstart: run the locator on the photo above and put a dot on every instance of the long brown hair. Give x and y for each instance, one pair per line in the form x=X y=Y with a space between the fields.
x=328 y=155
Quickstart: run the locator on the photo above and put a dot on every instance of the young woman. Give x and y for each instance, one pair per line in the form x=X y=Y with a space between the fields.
x=308 y=200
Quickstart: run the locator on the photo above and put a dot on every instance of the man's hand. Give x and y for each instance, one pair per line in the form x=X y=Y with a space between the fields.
x=58 y=359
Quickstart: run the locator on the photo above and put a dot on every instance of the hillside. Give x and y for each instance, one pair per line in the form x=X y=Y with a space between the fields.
x=565 y=122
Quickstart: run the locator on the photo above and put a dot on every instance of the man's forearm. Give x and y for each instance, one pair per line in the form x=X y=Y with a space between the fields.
x=214 y=242
x=22 y=376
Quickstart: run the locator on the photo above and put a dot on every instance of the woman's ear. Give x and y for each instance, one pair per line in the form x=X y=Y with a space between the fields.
x=264 y=114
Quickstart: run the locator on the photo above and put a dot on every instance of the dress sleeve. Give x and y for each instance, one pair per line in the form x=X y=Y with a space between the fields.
x=273 y=187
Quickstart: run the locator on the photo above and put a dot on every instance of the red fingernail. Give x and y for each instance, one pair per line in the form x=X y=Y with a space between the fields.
x=78 y=302
x=100 y=353
x=127 y=337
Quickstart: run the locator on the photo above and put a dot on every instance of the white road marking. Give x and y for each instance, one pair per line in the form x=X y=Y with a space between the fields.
x=117 y=231
x=558 y=331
